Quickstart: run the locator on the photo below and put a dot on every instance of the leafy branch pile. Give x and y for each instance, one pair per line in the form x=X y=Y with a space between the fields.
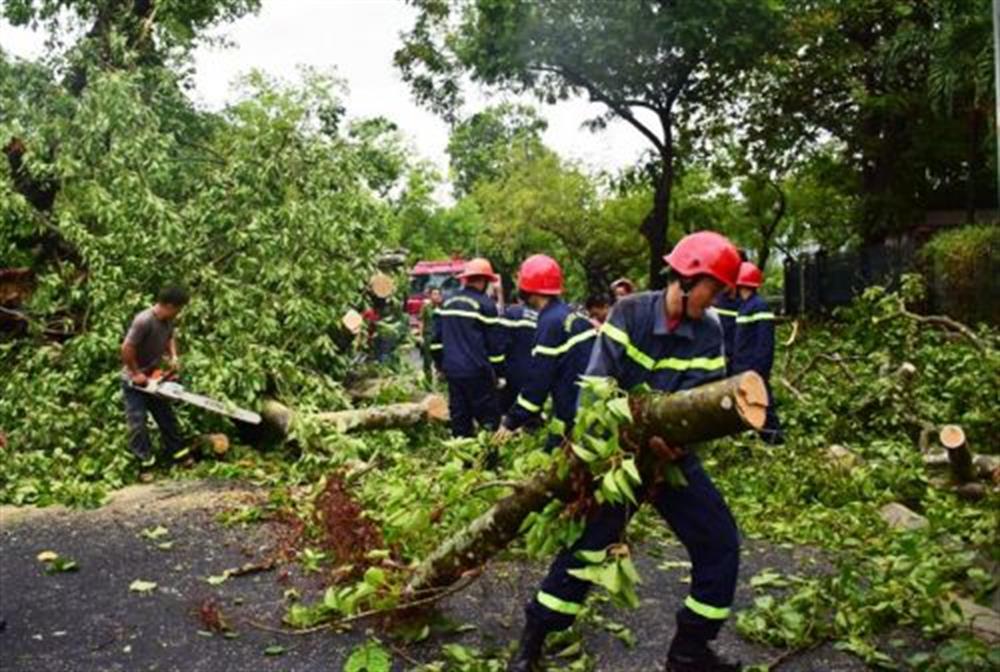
x=270 y=211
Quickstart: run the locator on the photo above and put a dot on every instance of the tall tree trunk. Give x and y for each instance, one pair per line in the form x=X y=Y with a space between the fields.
x=656 y=223
x=770 y=230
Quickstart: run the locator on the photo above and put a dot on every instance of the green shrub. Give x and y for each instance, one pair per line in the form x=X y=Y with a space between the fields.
x=963 y=267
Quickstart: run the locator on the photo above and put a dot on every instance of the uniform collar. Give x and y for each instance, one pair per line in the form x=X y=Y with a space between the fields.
x=685 y=329
x=548 y=306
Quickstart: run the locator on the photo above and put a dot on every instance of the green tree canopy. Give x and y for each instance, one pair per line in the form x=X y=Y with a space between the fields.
x=651 y=64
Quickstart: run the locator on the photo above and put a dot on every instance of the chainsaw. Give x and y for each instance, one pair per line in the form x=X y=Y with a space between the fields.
x=165 y=385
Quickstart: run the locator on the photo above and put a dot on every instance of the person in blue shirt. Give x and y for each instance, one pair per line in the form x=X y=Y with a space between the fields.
x=559 y=354
x=670 y=340
x=754 y=342
x=517 y=325
x=469 y=348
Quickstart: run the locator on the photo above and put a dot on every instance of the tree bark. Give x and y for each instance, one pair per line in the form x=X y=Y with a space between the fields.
x=657 y=222
x=433 y=408
x=709 y=412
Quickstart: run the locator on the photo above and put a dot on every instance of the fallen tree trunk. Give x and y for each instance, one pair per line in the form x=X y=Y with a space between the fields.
x=709 y=412
x=433 y=408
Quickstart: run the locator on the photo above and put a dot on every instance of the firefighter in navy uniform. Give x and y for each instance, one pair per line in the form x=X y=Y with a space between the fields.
x=469 y=346
x=671 y=341
x=727 y=307
x=754 y=342
x=562 y=346
x=517 y=325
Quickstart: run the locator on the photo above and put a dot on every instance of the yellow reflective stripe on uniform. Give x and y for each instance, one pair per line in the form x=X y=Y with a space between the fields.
x=706 y=610
x=673 y=363
x=527 y=405
x=726 y=312
x=497 y=359
x=756 y=317
x=557 y=604
x=513 y=324
x=706 y=363
x=460 y=299
x=445 y=312
x=556 y=350
x=437 y=346
x=616 y=334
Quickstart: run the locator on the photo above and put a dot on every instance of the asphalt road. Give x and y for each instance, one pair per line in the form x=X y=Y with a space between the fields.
x=90 y=620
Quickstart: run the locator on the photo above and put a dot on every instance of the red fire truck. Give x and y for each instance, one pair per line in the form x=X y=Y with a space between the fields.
x=427 y=275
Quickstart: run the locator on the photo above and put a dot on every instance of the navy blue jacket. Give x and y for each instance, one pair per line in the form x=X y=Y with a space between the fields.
x=563 y=342
x=518 y=328
x=728 y=307
x=754 y=350
x=467 y=339
x=635 y=347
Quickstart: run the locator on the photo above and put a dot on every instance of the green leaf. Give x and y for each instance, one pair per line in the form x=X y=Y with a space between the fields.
x=592 y=557
x=621 y=408
x=623 y=485
x=583 y=453
x=154 y=533
x=274 y=650
x=609 y=488
x=370 y=657
x=142 y=587
x=632 y=470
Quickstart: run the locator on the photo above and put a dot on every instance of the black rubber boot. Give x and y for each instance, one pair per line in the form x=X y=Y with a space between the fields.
x=690 y=652
x=706 y=661
x=529 y=651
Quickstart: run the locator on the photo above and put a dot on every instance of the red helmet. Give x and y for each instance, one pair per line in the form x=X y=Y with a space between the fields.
x=750 y=275
x=478 y=268
x=540 y=274
x=705 y=253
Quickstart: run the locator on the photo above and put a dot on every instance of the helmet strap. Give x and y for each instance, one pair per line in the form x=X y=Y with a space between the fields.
x=687 y=284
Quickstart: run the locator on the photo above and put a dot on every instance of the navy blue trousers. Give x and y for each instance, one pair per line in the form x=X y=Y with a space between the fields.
x=472 y=400
x=772 y=433
x=699 y=517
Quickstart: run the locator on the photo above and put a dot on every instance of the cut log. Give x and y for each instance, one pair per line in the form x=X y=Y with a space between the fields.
x=953 y=439
x=352 y=321
x=217 y=443
x=382 y=285
x=709 y=412
x=433 y=408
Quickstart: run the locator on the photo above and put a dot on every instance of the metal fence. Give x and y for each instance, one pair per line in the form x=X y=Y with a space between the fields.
x=817 y=283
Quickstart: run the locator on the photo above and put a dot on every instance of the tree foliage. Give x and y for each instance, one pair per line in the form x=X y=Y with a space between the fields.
x=480 y=147
x=272 y=220
x=653 y=65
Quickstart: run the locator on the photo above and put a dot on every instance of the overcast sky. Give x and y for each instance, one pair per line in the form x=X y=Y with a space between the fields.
x=358 y=38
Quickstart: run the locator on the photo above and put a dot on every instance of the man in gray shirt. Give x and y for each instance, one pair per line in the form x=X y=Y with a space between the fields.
x=149 y=340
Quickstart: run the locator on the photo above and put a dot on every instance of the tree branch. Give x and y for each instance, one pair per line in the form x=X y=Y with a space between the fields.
x=620 y=107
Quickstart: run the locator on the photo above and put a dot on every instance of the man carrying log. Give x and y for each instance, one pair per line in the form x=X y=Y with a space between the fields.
x=471 y=351
x=562 y=345
x=149 y=340
x=669 y=341
x=753 y=344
